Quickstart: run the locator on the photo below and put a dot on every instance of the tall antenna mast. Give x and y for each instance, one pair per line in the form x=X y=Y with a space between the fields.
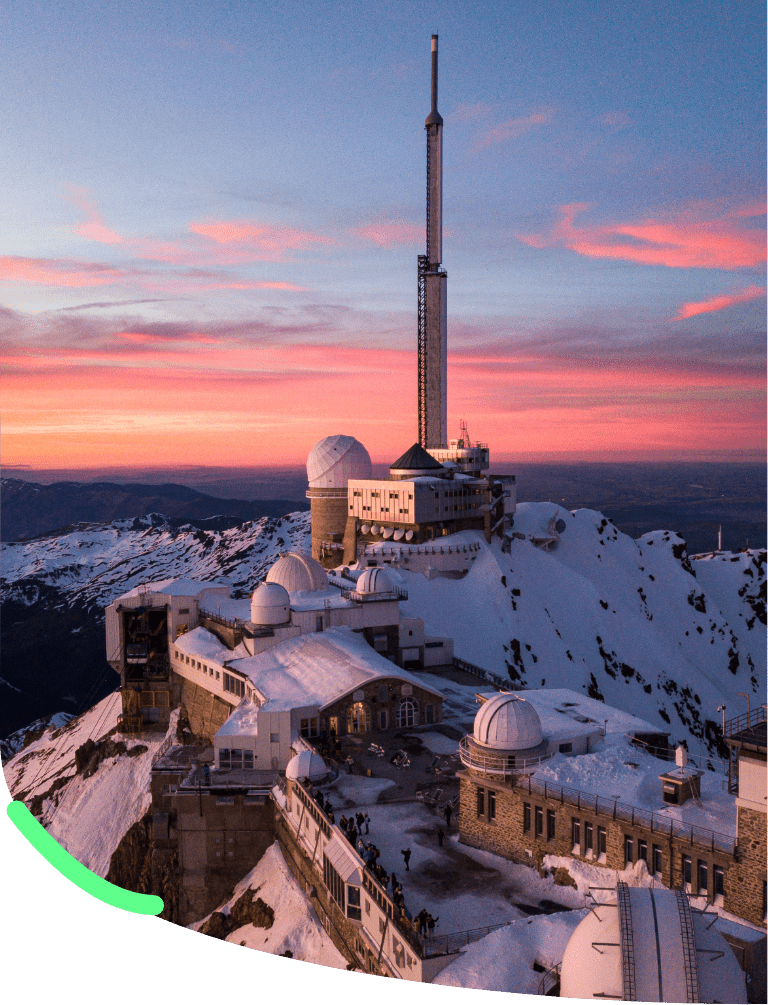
x=432 y=282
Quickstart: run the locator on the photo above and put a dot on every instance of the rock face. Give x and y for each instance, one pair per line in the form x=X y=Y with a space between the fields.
x=245 y=911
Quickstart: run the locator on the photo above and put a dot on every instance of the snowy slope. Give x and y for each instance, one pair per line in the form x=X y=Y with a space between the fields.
x=632 y=622
x=87 y=815
x=295 y=927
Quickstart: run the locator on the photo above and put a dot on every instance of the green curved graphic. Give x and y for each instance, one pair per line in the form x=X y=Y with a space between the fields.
x=76 y=872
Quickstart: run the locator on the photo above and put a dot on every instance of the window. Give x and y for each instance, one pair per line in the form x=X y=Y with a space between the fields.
x=588 y=842
x=566 y=748
x=382 y=718
x=353 y=902
x=205 y=668
x=308 y=728
x=334 y=883
x=656 y=860
x=687 y=873
x=491 y=805
x=274 y=737
x=550 y=825
x=719 y=884
x=187 y=659
x=526 y=816
x=629 y=850
x=183 y=610
x=576 y=835
x=642 y=851
x=703 y=879
x=407 y=713
x=481 y=802
x=383 y=692
x=318 y=622
x=248 y=760
x=217 y=675
x=430 y=710
x=602 y=844
x=237 y=759
x=358 y=718
x=539 y=821
x=224 y=760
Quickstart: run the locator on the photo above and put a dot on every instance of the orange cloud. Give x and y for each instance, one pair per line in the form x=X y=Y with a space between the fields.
x=512 y=128
x=56 y=272
x=719 y=303
x=685 y=241
x=93 y=228
x=264 y=242
x=388 y=234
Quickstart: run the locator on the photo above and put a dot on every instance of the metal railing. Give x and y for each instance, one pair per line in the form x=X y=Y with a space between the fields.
x=550 y=979
x=747 y=720
x=626 y=943
x=484 y=674
x=441 y=945
x=635 y=816
x=697 y=759
x=506 y=765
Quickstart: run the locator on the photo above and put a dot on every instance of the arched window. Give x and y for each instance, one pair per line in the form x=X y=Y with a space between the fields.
x=358 y=718
x=407 y=713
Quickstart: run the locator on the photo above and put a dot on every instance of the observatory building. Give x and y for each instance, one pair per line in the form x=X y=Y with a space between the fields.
x=649 y=945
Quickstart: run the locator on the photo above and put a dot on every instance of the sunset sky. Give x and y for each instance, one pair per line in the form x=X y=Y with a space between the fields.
x=212 y=212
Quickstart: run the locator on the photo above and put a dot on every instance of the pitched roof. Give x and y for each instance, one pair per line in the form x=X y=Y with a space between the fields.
x=415 y=459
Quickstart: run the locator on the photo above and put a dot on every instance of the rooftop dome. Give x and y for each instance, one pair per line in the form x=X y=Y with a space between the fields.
x=298 y=571
x=506 y=722
x=664 y=968
x=306 y=764
x=270 y=605
x=374 y=581
x=336 y=459
x=415 y=462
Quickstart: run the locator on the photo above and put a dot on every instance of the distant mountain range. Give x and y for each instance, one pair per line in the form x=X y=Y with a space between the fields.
x=30 y=510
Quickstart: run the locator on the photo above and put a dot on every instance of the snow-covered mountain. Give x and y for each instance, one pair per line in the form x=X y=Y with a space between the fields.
x=634 y=622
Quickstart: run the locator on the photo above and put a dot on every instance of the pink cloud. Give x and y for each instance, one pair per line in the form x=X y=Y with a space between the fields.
x=262 y=242
x=512 y=128
x=719 y=303
x=385 y=235
x=93 y=228
x=686 y=240
x=56 y=272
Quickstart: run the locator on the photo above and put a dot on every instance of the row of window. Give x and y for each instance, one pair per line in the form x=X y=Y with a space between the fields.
x=538 y=822
x=236 y=759
x=182 y=658
x=375 y=494
x=407 y=713
x=701 y=887
x=233 y=685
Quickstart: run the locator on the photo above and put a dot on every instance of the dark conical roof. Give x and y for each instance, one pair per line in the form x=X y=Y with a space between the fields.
x=415 y=459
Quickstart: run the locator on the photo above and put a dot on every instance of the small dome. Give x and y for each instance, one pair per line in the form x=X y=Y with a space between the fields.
x=298 y=571
x=336 y=459
x=374 y=581
x=306 y=764
x=506 y=722
x=270 y=605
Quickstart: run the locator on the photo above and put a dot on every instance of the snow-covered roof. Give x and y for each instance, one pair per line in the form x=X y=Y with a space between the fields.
x=556 y=705
x=318 y=669
x=203 y=645
x=315 y=600
x=297 y=570
x=227 y=607
x=174 y=588
x=242 y=722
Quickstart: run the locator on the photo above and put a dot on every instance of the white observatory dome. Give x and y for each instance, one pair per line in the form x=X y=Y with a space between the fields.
x=506 y=722
x=306 y=764
x=663 y=964
x=298 y=571
x=336 y=459
x=270 y=605
x=374 y=581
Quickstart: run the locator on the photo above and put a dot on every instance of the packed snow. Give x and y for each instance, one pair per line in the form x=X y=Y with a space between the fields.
x=296 y=927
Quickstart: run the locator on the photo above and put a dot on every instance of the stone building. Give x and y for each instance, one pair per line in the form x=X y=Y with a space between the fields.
x=509 y=808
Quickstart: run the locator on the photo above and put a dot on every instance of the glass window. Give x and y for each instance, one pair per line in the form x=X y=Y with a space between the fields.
x=566 y=748
x=224 y=761
x=382 y=718
x=642 y=851
x=353 y=902
x=588 y=840
x=629 y=850
x=481 y=802
x=274 y=737
x=237 y=759
x=657 y=860
x=526 y=816
x=248 y=760
x=407 y=713
x=550 y=825
x=719 y=883
x=576 y=834
x=602 y=842
x=703 y=879
x=491 y=805
x=687 y=873
x=539 y=821
x=358 y=718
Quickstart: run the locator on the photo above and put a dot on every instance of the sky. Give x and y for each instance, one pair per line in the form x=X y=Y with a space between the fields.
x=212 y=213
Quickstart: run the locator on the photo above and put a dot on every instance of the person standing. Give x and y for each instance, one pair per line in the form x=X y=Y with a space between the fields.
x=367 y=823
x=448 y=812
x=440 y=836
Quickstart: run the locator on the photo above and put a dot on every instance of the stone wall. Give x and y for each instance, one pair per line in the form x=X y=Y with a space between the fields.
x=744 y=896
x=371 y=697
x=505 y=834
x=205 y=711
x=328 y=522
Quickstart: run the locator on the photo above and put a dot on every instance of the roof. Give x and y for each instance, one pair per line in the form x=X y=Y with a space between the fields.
x=417 y=459
x=203 y=645
x=298 y=570
x=336 y=459
x=555 y=705
x=318 y=669
x=174 y=588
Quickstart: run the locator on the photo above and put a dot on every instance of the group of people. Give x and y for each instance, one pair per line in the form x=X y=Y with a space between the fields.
x=352 y=827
